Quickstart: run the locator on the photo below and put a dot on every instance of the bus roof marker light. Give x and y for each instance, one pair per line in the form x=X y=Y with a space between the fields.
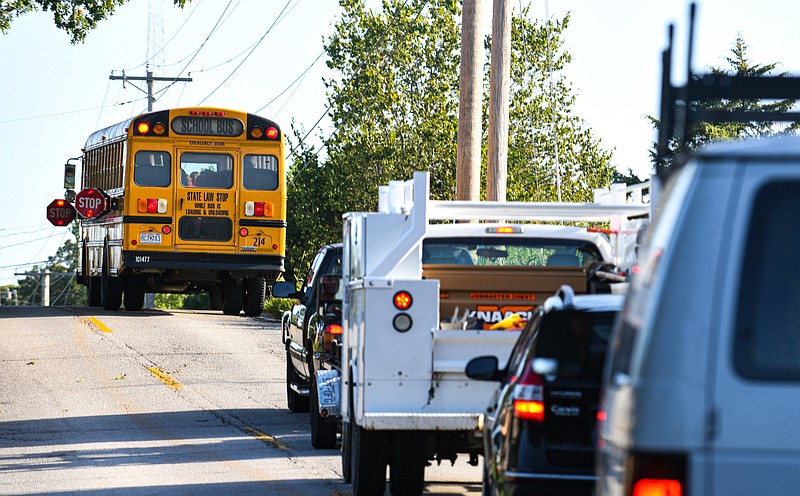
x=272 y=132
x=257 y=132
x=143 y=127
x=159 y=128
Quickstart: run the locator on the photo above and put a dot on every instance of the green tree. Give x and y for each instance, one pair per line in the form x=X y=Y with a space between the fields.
x=76 y=17
x=394 y=108
x=543 y=124
x=700 y=133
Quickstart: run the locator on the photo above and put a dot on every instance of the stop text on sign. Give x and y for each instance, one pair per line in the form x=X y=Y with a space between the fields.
x=60 y=212
x=91 y=203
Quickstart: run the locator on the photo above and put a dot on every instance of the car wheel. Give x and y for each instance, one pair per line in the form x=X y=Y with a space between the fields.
x=369 y=461
x=296 y=402
x=347 y=442
x=407 y=469
x=323 y=434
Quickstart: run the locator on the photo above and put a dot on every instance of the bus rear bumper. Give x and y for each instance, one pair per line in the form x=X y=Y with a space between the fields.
x=238 y=265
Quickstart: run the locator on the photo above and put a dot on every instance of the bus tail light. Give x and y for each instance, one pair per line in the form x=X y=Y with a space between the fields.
x=152 y=205
x=258 y=209
x=166 y=229
x=529 y=396
x=243 y=232
x=654 y=474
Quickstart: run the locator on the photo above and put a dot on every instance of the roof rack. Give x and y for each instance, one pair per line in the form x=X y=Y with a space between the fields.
x=678 y=111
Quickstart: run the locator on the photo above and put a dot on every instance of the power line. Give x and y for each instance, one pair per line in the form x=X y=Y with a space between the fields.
x=213 y=30
x=29 y=241
x=173 y=36
x=274 y=23
x=358 y=69
x=302 y=75
x=67 y=112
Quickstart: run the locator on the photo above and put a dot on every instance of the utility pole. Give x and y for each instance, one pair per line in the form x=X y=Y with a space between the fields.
x=150 y=78
x=500 y=69
x=468 y=168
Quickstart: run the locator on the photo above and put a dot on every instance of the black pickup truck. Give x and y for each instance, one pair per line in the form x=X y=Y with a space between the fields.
x=312 y=335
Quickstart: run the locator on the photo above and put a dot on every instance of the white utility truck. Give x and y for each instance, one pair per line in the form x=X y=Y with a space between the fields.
x=403 y=395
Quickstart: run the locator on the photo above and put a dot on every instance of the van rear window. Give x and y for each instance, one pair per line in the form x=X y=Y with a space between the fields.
x=519 y=252
x=767 y=337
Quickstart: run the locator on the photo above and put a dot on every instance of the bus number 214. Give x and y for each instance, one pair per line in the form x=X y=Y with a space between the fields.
x=258 y=241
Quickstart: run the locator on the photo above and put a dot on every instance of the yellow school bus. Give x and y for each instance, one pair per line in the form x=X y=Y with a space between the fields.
x=182 y=201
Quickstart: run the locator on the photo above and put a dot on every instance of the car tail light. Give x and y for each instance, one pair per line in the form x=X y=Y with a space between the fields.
x=656 y=475
x=327 y=335
x=529 y=396
x=657 y=487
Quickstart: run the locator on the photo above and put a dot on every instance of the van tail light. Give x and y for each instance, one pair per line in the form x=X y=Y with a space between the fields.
x=529 y=396
x=656 y=475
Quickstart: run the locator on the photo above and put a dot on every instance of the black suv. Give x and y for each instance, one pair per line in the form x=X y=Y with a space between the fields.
x=539 y=429
x=301 y=326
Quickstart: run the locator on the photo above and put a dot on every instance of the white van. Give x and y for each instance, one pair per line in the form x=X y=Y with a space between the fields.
x=702 y=381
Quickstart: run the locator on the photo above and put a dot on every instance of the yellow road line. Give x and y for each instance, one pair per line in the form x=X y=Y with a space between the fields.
x=265 y=438
x=165 y=378
x=100 y=326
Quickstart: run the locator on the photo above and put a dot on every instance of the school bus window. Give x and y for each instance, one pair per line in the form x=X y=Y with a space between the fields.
x=207 y=170
x=152 y=169
x=260 y=172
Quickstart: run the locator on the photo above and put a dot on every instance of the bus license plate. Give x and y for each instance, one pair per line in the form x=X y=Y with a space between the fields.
x=150 y=238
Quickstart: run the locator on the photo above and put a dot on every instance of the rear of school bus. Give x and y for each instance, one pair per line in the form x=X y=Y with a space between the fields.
x=205 y=204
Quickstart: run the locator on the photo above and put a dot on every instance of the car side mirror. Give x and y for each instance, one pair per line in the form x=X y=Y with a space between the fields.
x=483 y=368
x=285 y=289
x=545 y=366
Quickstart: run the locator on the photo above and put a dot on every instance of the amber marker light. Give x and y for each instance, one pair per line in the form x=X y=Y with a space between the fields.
x=402 y=300
x=159 y=128
x=257 y=133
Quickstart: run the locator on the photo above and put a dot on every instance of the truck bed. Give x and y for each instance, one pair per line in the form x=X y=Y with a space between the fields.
x=493 y=293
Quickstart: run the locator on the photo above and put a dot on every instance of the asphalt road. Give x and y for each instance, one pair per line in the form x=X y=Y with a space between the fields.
x=159 y=403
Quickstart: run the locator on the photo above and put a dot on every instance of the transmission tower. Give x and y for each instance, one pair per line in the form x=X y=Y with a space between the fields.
x=155 y=53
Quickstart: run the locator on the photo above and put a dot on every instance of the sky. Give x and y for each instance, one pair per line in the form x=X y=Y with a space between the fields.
x=264 y=58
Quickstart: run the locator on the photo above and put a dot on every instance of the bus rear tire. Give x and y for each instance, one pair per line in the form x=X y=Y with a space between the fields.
x=94 y=296
x=232 y=296
x=255 y=290
x=133 y=297
x=111 y=293
x=215 y=296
